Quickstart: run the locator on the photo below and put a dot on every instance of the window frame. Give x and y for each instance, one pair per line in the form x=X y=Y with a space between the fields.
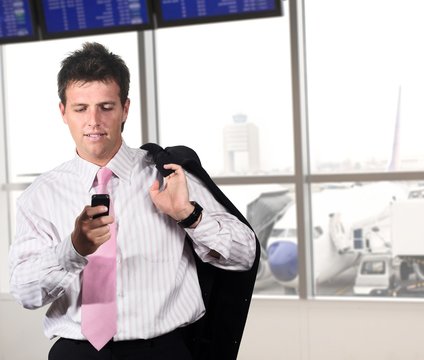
x=5 y=216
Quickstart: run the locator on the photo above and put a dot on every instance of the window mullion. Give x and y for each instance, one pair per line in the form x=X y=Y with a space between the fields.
x=302 y=186
x=148 y=87
x=5 y=209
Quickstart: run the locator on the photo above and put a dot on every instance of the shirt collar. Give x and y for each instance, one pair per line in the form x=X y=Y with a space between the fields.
x=121 y=165
x=86 y=171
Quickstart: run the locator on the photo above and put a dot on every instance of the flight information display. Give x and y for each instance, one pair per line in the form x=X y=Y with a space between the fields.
x=16 y=21
x=179 y=12
x=83 y=17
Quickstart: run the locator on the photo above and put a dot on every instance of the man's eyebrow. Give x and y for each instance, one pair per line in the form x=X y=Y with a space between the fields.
x=110 y=102
x=79 y=104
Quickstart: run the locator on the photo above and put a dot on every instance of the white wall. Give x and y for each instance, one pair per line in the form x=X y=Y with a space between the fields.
x=21 y=334
x=276 y=330
x=334 y=330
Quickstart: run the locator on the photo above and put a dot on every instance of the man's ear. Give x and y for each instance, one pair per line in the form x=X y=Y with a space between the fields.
x=62 y=112
x=126 y=108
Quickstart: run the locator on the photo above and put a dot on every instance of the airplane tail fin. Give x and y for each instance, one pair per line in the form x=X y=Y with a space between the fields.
x=394 y=162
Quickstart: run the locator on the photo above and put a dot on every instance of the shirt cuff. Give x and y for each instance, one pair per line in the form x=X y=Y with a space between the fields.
x=208 y=235
x=69 y=258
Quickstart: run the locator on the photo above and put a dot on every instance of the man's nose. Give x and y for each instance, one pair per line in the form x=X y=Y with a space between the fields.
x=94 y=118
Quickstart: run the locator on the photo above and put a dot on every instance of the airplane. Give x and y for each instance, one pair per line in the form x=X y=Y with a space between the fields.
x=347 y=221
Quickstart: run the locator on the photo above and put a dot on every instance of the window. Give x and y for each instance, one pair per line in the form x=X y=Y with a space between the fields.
x=227 y=87
x=225 y=90
x=365 y=85
x=263 y=205
x=325 y=174
x=36 y=138
x=364 y=90
x=373 y=268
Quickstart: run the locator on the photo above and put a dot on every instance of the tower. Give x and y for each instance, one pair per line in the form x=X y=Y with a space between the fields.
x=241 y=146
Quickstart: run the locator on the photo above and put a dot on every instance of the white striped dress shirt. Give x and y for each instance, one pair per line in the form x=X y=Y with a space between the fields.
x=157 y=284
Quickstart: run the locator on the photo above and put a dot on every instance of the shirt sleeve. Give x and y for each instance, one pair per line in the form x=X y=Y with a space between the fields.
x=41 y=266
x=221 y=232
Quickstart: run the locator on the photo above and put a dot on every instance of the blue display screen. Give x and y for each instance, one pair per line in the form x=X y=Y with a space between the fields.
x=175 y=10
x=94 y=16
x=16 y=22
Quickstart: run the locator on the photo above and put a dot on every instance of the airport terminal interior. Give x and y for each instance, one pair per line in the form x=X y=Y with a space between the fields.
x=307 y=114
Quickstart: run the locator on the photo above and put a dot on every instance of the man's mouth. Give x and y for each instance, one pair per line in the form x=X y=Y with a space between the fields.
x=95 y=135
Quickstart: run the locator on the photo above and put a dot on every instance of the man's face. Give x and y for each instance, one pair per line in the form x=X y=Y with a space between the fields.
x=94 y=115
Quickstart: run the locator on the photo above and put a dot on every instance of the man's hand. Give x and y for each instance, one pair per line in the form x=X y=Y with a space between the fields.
x=90 y=233
x=173 y=199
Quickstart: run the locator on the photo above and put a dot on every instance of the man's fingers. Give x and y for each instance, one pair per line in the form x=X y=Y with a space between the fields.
x=85 y=214
x=98 y=210
x=99 y=234
x=176 y=168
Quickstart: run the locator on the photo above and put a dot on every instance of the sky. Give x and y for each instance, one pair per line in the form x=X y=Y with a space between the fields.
x=359 y=61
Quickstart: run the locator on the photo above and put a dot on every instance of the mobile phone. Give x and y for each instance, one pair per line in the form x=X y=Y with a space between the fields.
x=100 y=199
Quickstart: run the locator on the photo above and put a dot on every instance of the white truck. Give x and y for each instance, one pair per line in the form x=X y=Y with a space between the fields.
x=399 y=271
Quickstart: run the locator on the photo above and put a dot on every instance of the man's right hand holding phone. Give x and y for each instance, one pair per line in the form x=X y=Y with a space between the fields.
x=91 y=232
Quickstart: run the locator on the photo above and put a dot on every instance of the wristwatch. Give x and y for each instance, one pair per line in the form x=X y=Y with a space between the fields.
x=193 y=217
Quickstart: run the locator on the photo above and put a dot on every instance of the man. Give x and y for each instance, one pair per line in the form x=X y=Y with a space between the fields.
x=62 y=250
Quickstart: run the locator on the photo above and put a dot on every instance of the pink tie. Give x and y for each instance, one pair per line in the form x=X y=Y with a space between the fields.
x=99 y=309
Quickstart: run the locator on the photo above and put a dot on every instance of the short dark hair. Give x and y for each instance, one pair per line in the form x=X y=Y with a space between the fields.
x=94 y=62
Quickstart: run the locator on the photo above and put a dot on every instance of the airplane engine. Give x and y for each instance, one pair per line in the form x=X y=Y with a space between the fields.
x=282 y=259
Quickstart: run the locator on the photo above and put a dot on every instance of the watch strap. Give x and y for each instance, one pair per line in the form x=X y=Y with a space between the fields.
x=193 y=217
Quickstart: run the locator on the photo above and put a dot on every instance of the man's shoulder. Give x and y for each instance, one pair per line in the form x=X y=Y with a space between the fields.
x=64 y=169
x=49 y=177
x=131 y=154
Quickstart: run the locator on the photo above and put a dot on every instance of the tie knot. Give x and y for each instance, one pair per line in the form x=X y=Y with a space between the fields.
x=103 y=176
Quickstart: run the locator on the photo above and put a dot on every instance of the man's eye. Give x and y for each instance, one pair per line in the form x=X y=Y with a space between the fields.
x=80 y=109
x=107 y=107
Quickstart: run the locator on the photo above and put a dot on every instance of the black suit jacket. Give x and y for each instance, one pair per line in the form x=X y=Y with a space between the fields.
x=226 y=294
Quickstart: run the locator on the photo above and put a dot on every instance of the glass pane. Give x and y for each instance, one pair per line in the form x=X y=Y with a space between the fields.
x=37 y=138
x=7 y=239
x=225 y=90
x=264 y=206
x=370 y=239
x=365 y=85
x=13 y=197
